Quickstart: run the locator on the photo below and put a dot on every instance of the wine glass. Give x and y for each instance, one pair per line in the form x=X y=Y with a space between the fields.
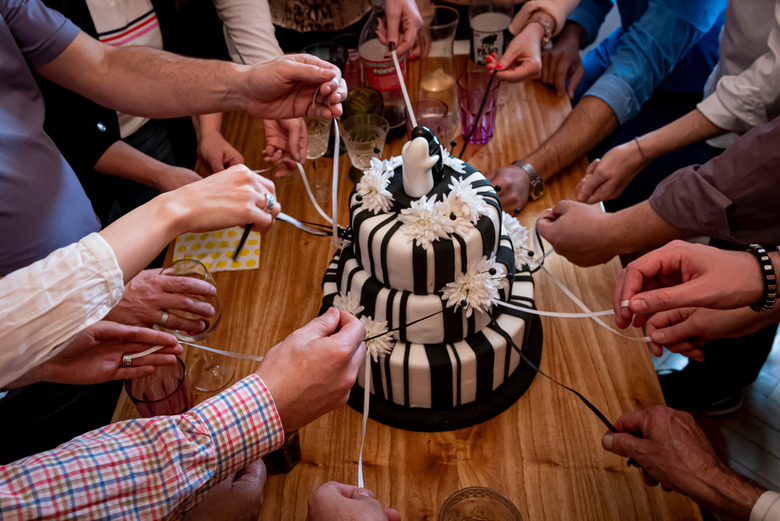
x=209 y=372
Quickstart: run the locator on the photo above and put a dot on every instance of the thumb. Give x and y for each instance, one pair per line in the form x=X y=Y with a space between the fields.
x=324 y=325
x=622 y=444
x=253 y=476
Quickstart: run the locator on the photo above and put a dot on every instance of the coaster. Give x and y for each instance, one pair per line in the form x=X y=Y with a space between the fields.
x=215 y=249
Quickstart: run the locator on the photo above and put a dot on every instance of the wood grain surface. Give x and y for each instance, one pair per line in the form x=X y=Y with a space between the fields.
x=544 y=452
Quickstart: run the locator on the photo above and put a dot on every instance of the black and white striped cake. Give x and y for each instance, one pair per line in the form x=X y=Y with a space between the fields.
x=398 y=267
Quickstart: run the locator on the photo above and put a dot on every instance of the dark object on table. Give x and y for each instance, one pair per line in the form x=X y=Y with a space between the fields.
x=284 y=459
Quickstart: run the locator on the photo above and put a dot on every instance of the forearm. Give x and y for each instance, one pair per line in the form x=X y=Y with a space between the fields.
x=205 y=445
x=639 y=228
x=589 y=123
x=728 y=494
x=691 y=128
x=140 y=235
x=207 y=123
x=144 y=81
x=122 y=160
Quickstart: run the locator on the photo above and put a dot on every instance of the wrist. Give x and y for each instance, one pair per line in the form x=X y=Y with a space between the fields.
x=731 y=495
x=172 y=213
x=238 y=93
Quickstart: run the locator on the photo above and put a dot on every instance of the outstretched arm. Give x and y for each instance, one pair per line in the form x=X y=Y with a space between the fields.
x=152 y=83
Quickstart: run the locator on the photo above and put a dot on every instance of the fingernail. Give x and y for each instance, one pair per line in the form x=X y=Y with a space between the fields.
x=639 y=305
x=500 y=65
x=624 y=303
x=362 y=493
x=391 y=46
x=607 y=441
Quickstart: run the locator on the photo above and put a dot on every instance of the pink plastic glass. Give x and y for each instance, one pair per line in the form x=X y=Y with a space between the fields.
x=471 y=89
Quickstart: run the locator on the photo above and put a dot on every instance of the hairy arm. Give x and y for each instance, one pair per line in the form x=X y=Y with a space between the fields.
x=589 y=123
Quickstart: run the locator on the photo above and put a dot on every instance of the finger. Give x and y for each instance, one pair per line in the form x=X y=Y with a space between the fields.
x=108 y=331
x=528 y=68
x=650 y=481
x=297 y=137
x=592 y=166
x=179 y=323
x=334 y=487
x=603 y=192
x=253 y=474
x=548 y=67
x=186 y=285
x=393 y=20
x=262 y=221
x=561 y=72
x=362 y=493
x=323 y=326
x=181 y=303
x=351 y=331
x=585 y=188
x=128 y=373
x=574 y=79
x=631 y=421
x=392 y=514
x=622 y=444
x=156 y=359
x=683 y=295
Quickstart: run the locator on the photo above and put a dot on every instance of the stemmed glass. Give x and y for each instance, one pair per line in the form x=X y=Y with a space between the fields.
x=209 y=372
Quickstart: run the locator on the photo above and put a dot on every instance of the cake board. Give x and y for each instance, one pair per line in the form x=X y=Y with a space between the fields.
x=462 y=416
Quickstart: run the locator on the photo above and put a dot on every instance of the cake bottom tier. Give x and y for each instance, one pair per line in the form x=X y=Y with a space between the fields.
x=485 y=406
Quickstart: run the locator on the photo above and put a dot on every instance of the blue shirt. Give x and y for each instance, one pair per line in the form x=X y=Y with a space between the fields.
x=42 y=204
x=671 y=45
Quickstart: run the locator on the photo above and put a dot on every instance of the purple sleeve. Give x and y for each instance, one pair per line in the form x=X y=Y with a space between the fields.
x=734 y=196
x=41 y=33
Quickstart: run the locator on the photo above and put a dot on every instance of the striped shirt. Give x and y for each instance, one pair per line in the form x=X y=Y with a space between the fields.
x=153 y=468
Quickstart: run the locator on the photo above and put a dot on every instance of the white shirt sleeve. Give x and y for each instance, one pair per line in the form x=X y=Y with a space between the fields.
x=45 y=304
x=250 y=30
x=751 y=98
x=767 y=508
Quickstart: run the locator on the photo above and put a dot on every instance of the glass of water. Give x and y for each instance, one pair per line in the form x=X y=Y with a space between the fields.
x=478 y=504
x=362 y=134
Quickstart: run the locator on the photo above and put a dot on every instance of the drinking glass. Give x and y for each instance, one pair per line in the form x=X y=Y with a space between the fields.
x=163 y=393
x=362 y=134
x=317 y=133
x=431 y=113
x=478 y=504
x=471 y=90
x=437 y=70
x=209 y=372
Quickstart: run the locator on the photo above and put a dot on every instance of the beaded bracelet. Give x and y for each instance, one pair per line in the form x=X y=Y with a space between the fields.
x=769 y=297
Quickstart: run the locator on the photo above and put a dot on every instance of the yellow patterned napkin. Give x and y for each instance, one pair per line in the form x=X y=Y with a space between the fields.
x=215 y=249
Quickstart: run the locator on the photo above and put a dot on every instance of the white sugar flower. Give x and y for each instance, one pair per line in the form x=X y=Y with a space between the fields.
x=349 y=303
x=519 y=236
x=379 y=343
x=450 y=208
x=372 y=187
x=472 y=205
x=478 y=287
x=424 y=221
x=453 y=162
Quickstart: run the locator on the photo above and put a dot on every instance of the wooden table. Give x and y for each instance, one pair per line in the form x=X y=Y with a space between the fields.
x=544 y=452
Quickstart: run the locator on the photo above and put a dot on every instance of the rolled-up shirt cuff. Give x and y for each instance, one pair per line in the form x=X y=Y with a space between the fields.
x=767 y=508
x=687 y=201
x=616 y=93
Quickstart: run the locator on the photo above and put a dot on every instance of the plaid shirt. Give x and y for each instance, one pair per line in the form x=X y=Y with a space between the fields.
x=154 y=468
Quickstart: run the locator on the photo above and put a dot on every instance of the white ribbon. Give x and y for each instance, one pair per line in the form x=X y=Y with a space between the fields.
x=205 y=348
x=403 y=89
x=366 y=397
x=334 y=196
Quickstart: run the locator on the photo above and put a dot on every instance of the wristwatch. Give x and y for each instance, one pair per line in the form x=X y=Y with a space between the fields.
x=537 y=185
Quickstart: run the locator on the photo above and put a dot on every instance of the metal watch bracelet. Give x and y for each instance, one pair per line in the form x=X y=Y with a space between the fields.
x=537 y=185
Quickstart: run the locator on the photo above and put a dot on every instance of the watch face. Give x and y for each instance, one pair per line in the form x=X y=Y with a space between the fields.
x=537 y=189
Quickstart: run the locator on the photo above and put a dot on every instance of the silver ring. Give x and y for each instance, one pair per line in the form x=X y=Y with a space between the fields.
x=126 y=361
x=164 y=320
x=270 y=202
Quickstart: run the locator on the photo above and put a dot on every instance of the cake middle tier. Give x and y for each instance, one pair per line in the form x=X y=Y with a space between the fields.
x=391 y=257
x=401 y=308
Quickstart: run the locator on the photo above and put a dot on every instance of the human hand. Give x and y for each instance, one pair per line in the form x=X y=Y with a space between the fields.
x=606 y=178
x=285 y=88
x=94 y=356
x=401 y=26
x=686 y=330
x=561 y=65
x=286 y=140
x=682 y=274
x=216 y=153
x=311 y=371
x=237 y=498
x=236 y=196
x=339 y=502
x=580 y=232
x=522 y=59
x=515 y=185
x=673 y=451
x=151 y=293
